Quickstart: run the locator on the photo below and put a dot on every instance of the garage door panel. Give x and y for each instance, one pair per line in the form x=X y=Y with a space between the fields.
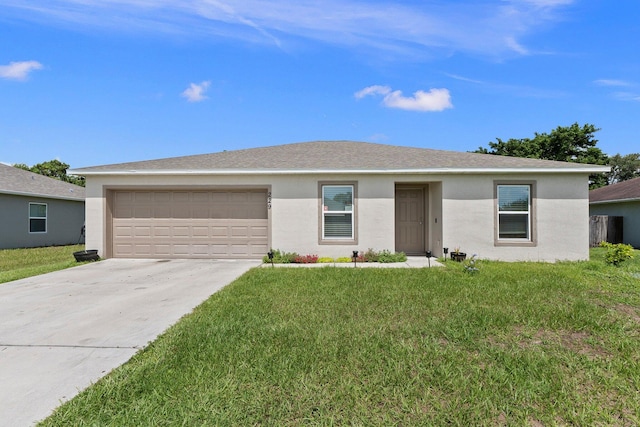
x=200 y=196
x=200 y=232
x=200 y=224
x=162 y=231
x=259 y=231
x=141 y=211
x=162 y=250
x=143 y=196
x=142 y=231
x=122 y=231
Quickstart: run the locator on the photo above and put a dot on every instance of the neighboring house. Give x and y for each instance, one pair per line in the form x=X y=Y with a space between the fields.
x=333 y=197
x=620 y=199
x=36 y=210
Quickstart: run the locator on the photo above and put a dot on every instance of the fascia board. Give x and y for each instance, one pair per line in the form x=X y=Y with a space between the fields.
x=42 y=196
x=430 y=171
x=605 y=202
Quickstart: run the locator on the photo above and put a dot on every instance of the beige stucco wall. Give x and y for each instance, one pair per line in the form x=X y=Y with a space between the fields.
x=561 y=217
x=461 y=212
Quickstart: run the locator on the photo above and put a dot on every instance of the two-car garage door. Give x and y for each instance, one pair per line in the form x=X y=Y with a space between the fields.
x=189 y=223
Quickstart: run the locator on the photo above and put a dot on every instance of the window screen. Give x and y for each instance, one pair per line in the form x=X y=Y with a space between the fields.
x=37 y=218
x=337 y=211
x=514 y=212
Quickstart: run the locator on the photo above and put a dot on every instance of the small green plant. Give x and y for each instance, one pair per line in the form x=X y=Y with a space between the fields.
x=325 y=260
x=617 y=253
x=385 y=256
x=369 y=256
x=470 y=265
x=344 y=259
x=281 y=257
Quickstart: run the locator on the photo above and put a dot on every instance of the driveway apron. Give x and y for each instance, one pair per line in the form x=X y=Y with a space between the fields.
x=61 y=332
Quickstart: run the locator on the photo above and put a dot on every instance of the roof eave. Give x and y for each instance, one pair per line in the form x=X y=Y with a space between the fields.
x=430 y=171
x=42 y=196
x=604 y=202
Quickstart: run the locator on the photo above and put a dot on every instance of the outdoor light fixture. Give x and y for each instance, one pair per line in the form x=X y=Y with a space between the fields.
x=446 y=251
x=355 y=257
x=270 y=255
x=429 y=258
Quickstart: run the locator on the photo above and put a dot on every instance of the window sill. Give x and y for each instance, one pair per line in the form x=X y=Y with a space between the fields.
x=515 y=243
x=338 y=242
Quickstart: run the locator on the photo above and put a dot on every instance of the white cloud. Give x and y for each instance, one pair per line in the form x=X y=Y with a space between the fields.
x=515 y=90
x=19 y=70
x=372 y=90
x=627 y=96
x=378 y=137
x=426 y=29
x=433 y=100
x=612 y=82
x=513 y=44
x=549 y=3
x=195 y=92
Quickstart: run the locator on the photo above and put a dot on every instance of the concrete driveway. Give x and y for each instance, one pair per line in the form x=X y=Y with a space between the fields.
x=62 y=331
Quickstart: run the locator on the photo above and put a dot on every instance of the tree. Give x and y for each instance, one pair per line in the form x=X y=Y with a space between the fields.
x=624 y=168
x=53 y=169
x=573 y=143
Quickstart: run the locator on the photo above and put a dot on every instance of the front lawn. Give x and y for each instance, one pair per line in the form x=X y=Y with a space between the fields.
x=20 y=263
x=512 y=344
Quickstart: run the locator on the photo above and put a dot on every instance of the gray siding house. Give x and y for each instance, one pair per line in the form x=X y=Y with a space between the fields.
x=620 y=199
x=36 y=210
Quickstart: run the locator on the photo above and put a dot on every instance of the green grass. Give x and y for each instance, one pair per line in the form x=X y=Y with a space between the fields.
x=513 y=344
x=20 y=263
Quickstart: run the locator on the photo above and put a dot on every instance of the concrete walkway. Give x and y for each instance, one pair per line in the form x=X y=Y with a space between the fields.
x=61 y=332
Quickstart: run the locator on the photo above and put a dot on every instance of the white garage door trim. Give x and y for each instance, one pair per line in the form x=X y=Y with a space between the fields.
x=189 y=223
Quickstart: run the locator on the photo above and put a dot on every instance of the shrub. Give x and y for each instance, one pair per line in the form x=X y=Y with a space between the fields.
x=617 y=253
x=386 y=256
x=369 y=256
x=281 y=257
x=306 y=259
x=326 y=260
x=344 y=259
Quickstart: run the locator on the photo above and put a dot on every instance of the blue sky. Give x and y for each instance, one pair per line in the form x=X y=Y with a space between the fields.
x=93 y=82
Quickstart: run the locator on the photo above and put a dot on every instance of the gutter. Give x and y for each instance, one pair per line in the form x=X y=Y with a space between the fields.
x=604 y=202
x=432 y=171
x=42 y=196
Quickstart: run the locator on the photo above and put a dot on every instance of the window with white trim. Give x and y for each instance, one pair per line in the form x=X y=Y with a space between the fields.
x=514 y=212
x=338 y=212
x=37 y=217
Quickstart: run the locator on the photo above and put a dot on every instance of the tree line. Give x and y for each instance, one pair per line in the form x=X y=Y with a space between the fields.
x=53 y=169
x=575 y=144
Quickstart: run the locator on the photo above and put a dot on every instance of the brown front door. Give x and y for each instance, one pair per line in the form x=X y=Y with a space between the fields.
x=410 y=219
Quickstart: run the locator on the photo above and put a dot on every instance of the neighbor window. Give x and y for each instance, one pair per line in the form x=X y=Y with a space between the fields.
x=37 y=218
x=337 y=205
x=514 y=212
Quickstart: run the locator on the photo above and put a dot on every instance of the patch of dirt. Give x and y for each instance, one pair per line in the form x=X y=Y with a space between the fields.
x=632 y=312
x=576 y=341
x=501 y=420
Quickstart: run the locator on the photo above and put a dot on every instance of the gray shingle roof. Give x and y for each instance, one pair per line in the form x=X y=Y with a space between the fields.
x=18 y=181
x=625 y=190
x=337 y=156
